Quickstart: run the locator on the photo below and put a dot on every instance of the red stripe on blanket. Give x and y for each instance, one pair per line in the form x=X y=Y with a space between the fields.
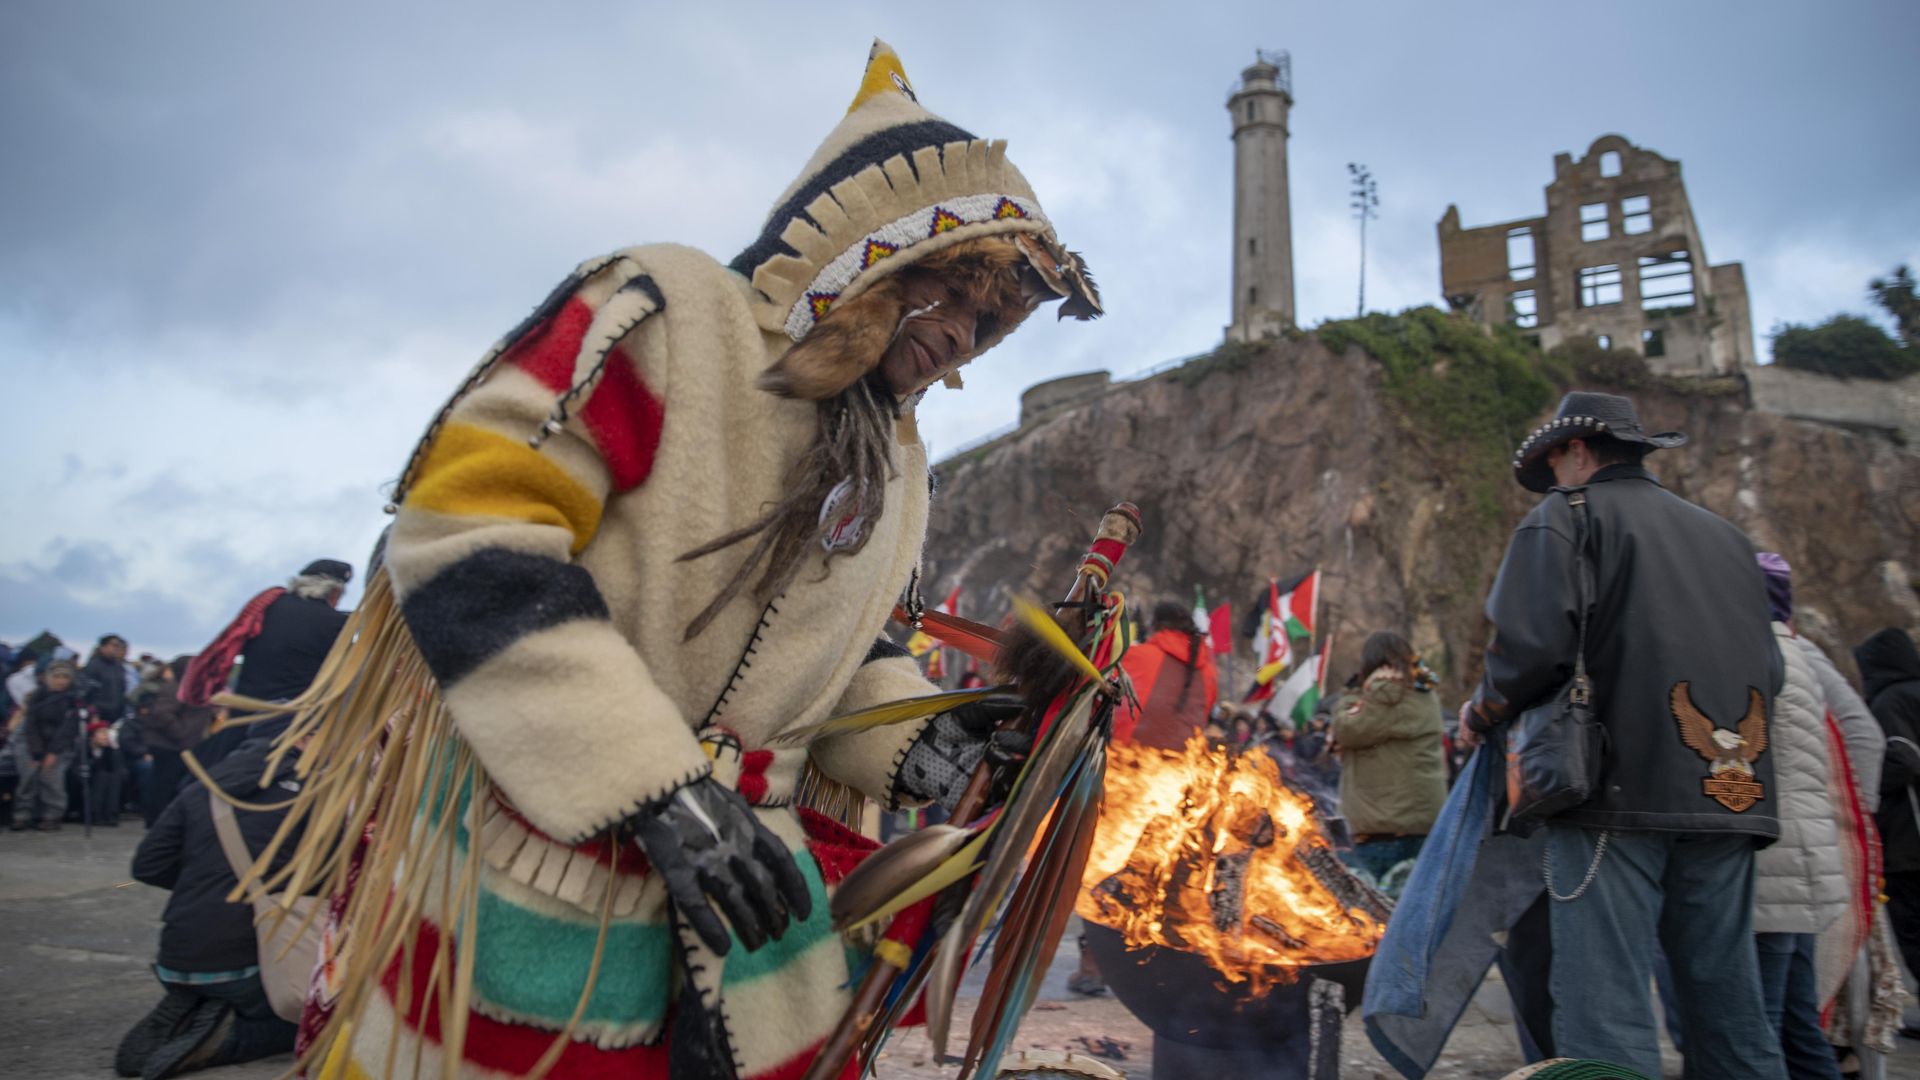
x=622 y=415
x=835 y=847
x=513 y=1048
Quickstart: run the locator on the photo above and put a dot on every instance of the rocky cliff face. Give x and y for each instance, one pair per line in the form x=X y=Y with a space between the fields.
x=1270 y=463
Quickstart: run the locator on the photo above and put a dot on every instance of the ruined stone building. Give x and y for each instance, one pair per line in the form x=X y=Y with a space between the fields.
x=1617 y=259
x=1262 y=212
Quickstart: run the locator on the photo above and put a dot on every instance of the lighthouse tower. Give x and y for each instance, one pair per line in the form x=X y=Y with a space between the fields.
x=1262 y=222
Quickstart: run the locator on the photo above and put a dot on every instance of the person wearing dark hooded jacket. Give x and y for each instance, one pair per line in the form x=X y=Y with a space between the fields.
x=215 y=1011
x=1890 y=680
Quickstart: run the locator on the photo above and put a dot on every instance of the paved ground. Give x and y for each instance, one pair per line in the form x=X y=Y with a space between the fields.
x=76 y=937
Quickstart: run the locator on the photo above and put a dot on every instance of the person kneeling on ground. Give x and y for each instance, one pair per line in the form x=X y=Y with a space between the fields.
x=215 y=1011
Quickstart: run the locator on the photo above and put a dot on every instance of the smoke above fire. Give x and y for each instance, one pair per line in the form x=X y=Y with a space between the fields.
x=1210 y=852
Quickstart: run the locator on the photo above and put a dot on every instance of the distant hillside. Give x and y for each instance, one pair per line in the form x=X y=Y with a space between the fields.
x=1386 y=466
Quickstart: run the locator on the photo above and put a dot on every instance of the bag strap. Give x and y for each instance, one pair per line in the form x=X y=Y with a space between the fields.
x=227 y=827
x=1582 y=692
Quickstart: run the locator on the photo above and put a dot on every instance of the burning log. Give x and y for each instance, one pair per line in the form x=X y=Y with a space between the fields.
x=1248 y=828
x=1352 y=893
x=1212 y=853
x=1277 y=932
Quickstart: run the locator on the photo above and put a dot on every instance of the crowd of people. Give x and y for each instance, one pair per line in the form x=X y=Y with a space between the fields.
x=1745 y=804
x=91 y=742
x=105 y=741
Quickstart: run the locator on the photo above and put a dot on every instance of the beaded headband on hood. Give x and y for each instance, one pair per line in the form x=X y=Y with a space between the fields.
x=892 y=184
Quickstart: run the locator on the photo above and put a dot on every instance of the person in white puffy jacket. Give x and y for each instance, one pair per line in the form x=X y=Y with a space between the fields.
x=1801 y=883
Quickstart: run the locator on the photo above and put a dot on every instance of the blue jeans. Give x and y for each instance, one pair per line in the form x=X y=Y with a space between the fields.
x=1692 y=893
x=1793 y=1006
x=1377 y=857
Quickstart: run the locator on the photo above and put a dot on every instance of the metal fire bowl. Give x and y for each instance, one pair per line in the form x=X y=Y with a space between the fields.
x=1182 y=999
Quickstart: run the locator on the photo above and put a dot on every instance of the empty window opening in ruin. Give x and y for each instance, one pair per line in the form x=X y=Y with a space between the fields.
x=1593 y=221
x=1605 y=341
x=1599 y=285
x=1636 y=215
x=1666 y=281
x=1520 y=257
x=1653 y=343
x=1523 y=309
x=1610 y=163
x=1250 y=112
x=1253 y=296
x=1253 y=245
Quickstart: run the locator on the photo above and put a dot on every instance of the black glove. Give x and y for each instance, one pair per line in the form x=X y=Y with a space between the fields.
x=941 y=762
x=705 y=842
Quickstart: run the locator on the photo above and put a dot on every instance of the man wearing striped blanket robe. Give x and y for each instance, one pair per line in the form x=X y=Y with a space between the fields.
x=666 y=522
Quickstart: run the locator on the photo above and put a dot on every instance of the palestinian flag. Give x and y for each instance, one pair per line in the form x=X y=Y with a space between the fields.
x=1289 y=615
x=1300 y=694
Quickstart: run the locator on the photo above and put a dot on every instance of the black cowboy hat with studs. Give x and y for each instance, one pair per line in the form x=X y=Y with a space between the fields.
x=1583 y=415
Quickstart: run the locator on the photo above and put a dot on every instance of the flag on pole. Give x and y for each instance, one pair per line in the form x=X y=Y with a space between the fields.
x=921 y=641
x=1300 y=695
x=1269 y=648
x=1288 y=616
x=1200 y=620
x=1220 y=629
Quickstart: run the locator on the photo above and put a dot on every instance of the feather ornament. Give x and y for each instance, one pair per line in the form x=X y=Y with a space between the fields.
x=1036 y=915
x=909 y=869
x=892 y=712
x=978 y=640
x=1050 y=633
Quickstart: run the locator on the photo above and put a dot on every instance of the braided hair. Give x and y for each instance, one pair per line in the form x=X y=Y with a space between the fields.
x=1173 y=615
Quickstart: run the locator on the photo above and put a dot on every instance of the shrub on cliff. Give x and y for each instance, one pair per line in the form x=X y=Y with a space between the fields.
x=1845 y=345
x=1474 y=395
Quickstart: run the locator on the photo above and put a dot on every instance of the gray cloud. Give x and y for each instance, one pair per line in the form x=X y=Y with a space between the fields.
x=251 y=247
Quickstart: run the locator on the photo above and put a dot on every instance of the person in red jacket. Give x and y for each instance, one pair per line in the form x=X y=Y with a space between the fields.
x=1175 y=679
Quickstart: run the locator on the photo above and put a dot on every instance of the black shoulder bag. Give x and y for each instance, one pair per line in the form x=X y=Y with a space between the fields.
x=1554 y=749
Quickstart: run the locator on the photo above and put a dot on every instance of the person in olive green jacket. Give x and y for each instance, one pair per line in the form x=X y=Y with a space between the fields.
x=1393 y=773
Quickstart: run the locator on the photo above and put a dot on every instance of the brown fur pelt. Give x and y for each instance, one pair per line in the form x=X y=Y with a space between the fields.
x=848 y=343
x=1038 y=672
x=834 y=366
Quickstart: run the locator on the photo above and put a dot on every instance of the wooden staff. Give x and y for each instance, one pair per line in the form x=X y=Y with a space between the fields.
x=1119 y=528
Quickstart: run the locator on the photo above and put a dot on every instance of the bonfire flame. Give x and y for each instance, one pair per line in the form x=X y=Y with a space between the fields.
x=1212 y=853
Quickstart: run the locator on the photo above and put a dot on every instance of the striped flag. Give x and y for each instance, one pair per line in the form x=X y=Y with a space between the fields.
x=1288 y=616
x=1300 y=694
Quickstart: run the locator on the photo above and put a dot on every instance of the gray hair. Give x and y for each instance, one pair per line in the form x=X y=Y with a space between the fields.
x=314 y=586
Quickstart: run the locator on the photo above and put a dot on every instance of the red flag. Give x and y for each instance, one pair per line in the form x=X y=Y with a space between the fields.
x=1220 y=629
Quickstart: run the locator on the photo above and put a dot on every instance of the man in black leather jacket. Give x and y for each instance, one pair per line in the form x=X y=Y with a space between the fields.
x=1684 y=669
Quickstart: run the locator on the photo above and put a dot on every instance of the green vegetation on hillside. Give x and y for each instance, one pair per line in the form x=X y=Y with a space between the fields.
x=1468 y=395
x=1855 y=348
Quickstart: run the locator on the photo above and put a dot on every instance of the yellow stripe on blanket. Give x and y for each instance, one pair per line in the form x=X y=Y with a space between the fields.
x=471 y=471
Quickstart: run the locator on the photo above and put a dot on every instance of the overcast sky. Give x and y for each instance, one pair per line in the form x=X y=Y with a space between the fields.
x=246 y=249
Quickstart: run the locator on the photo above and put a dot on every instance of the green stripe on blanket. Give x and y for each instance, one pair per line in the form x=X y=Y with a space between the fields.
x=535 y=966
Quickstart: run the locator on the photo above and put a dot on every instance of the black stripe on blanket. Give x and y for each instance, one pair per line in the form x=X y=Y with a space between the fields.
x=884 y=649
x=487 y=601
